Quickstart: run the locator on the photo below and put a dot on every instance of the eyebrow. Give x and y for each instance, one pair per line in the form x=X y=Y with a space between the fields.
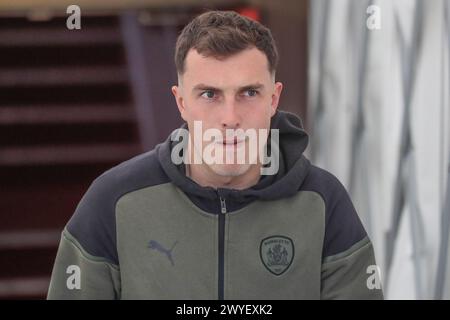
x=204 y=87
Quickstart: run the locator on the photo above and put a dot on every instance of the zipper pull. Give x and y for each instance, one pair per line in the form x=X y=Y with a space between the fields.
x=223 y=205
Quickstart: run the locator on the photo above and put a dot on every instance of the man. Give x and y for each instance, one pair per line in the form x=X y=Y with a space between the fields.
x=188 y=220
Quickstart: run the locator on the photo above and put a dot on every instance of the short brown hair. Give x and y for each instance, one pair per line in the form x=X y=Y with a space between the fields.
x=221 y=34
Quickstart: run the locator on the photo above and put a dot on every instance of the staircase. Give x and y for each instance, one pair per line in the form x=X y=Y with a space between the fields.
x=66 y=116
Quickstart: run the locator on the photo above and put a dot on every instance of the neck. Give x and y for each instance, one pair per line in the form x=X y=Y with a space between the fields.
x=204 y=176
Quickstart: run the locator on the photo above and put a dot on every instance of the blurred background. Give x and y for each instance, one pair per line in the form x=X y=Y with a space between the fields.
x=370 y=80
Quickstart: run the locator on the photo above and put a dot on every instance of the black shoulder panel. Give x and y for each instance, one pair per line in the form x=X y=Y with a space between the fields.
x=94 y=222
x=343 y=227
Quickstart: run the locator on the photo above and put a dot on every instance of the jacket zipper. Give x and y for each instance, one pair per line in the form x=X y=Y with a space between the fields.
x=223 y=211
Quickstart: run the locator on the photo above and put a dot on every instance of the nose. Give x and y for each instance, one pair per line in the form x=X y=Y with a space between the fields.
x=230 y=117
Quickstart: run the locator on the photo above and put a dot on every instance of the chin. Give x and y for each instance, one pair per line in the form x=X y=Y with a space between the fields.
x=230 y=170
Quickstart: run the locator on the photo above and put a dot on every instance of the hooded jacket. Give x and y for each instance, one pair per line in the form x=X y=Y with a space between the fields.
x=144 y=230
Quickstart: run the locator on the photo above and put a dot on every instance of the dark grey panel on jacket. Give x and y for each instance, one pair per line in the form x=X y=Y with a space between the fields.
x=94 y=223
x=343 y=227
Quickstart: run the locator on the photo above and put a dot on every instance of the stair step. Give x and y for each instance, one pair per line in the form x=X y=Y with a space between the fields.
x=27 y=262
x=17 y=240
x=24 y=287
x=66 y=76
x=61 y=114
x=61 y=57
x=68 y=154
x=89 y=20
x=60 y=95
x=44 y=203
x=67 y=134
x=58 y=36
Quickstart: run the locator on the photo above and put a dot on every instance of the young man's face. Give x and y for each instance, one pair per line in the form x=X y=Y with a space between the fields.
x=237 y=92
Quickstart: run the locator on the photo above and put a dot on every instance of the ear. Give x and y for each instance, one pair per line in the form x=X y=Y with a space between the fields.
x=179 y=100
x=278 y=87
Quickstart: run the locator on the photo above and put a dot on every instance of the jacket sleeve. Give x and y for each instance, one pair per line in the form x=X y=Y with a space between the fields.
x=349 y=269
x=86 y=265
x=352 y=274
x=79 y=275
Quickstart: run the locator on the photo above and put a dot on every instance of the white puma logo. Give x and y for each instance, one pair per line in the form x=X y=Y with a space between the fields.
x=155 y=245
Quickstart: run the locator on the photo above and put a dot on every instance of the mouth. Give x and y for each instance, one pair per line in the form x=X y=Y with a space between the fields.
x=231 y=142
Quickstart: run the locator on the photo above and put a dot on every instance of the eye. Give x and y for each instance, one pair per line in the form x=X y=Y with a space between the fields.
x=251 y=93
x=208 y=94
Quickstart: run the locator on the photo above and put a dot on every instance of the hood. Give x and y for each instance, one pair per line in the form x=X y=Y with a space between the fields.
x=293 y=166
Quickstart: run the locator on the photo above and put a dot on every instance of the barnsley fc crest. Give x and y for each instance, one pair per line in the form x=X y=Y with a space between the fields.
x=277 y=253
